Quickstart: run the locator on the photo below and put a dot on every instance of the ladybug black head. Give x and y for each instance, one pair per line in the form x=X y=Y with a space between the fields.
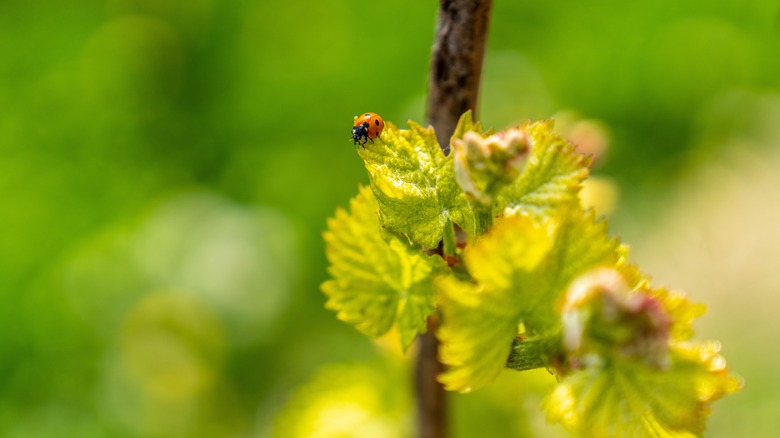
x=360 y=132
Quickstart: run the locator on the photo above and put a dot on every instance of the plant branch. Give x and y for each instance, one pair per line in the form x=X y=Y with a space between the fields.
x=431 y=401
x=456 y=66
x=456 y=69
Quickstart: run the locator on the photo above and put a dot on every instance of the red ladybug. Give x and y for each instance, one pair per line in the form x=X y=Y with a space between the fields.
x=367 y=127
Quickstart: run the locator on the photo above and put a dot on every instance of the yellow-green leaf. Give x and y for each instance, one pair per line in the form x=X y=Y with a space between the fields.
x=551 y=177
x=629 y=398
x=466 y=124
x=479 y=321
x=626 y=372
x=414 y=184
x=377 y=283
x=581 y=244
x=520 y=270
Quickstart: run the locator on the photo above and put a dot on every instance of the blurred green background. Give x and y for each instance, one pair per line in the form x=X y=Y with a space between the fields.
x=167 y=166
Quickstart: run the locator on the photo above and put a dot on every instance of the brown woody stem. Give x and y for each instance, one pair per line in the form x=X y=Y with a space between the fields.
x=456 y=66
x=456 y=69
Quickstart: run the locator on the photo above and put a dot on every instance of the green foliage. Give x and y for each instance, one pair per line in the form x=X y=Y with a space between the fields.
x=377 y=283
x=552 y=178
x=581 y=244
x=480 y=317
x=623 y=397
x=415 y=185
x=520 y=269
x=536 y=282
x=630 y=370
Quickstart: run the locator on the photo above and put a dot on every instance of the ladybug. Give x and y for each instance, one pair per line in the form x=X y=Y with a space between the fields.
x=367 y=127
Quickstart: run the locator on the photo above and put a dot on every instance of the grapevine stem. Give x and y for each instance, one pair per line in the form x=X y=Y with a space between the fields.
x=456 y=69
x=456 y=65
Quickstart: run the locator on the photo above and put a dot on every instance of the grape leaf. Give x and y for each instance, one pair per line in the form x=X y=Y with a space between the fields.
x=377 y=283
x=625 y=397
x=581 y=244
x=552 y=176
x=628 y=370
x=479 y=321
x=520 y=269
x=414 y=184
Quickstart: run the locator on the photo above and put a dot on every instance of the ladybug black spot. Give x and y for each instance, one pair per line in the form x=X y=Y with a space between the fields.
x=376 y=122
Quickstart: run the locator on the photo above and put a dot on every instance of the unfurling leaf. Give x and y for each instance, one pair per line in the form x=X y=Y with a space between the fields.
x=375 y=282
x=479 y=321
x=625 y=373
x=414 y=184
x=581 y=244
x=520 y=269
x=629 y=398
x=485 y=165
x=552 y=176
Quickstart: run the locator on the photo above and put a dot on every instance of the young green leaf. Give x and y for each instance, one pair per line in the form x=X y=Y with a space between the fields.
x=626 y=373
x=479 y=321
x=377 y=283
x=520 y=269
x=484 y=165
x=551 y=178
x=466 y=124
x=681 y=311
x=414 y=184
x=581 y=244
x=626 y=397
